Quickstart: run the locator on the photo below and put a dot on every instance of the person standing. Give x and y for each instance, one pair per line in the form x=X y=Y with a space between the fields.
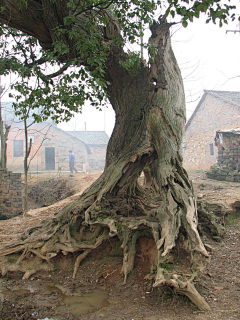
x=72 y=161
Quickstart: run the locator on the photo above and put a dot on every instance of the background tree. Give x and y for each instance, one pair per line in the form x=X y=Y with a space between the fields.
x=4 y=130
x=22 y=126
x=25 y=108
x=150 y=115
x=27 y=150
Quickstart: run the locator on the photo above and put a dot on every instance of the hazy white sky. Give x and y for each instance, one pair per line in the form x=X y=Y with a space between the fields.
x=208 y=58
x=213 y=55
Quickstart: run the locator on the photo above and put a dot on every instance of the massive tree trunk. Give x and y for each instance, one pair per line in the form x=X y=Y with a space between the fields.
x=150 y=117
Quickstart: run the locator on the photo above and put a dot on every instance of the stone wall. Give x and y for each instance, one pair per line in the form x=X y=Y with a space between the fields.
x=10 y=194
x=97 y=158
x=228 y=163
x=211 y=115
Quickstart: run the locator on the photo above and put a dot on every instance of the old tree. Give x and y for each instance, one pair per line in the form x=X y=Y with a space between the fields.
x=148 y=100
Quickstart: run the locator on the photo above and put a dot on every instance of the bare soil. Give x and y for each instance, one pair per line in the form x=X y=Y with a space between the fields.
x=50 y=295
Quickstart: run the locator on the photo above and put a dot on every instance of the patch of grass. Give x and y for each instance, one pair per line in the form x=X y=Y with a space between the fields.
x=97 y=270
x=233 y=218
x=165 y=266
x=197 y=279
x=121 y=227
x=49 y=191
x=12 y=259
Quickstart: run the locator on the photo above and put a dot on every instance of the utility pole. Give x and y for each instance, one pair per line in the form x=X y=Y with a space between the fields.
x=141 y=42
x=104 y=118
x=141 y=39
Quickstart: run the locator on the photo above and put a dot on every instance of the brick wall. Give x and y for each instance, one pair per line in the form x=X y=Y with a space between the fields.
x=63 y=142
x=55 y=138
x=10 y=194
x=228 y=164
x=213 y=114
x=97 y=158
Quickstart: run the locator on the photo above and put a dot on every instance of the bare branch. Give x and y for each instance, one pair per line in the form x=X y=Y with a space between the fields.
x=106 y=5
x=44 y=138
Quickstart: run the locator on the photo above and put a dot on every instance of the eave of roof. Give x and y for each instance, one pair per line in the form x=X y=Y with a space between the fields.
x=216 y=94
x=196 y=109
x=233 y=131
x=91 y=137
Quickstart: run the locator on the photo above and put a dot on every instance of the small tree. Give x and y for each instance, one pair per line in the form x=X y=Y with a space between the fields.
x=4 y=130
x=27 y=161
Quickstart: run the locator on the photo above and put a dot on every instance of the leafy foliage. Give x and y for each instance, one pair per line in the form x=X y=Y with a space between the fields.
x=55 y=94
x=132 y=64
x=189 y=9
x=57 y=81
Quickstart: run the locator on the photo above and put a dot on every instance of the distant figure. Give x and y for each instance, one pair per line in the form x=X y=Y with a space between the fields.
x=72 y=161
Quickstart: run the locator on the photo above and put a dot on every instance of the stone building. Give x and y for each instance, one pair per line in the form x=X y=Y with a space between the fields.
x=51 y=145
x=217 y=110
x=228 y=162
x=96 y=142
x=50 y=149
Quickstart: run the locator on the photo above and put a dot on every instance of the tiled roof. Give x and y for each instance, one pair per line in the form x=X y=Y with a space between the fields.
x=234 y=131
x=232 y=97
x=91 y=137
x=228 y=96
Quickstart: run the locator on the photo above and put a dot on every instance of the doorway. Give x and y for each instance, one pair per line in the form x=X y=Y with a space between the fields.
x=50 y=158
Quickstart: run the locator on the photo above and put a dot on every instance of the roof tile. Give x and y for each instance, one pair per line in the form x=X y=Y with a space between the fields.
x=91 y=137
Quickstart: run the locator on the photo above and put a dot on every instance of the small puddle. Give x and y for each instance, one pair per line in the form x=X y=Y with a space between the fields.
x=77 y=304
x=88 y=302
x=13 y=292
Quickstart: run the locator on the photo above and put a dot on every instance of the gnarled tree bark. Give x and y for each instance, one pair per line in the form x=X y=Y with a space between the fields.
x=150 y=117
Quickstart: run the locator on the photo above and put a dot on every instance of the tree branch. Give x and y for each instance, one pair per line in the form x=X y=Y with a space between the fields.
x=45 y=78
x=44 y=138
x=26 y=19
x=107 y=3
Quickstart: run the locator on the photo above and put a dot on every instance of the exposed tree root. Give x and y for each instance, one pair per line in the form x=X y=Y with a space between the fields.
x=190 y=291
x=173 y=228
x=79 y=259
x=28 y=274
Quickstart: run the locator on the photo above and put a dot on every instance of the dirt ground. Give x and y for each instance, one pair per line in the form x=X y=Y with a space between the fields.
x=98 y=291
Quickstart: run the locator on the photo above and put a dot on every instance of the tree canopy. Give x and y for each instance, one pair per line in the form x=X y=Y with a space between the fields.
x=69 y=66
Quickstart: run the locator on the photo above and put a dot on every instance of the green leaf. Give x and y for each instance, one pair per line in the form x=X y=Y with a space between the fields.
x=172 y=13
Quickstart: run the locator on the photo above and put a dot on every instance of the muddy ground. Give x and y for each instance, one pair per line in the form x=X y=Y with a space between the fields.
x=98 y=291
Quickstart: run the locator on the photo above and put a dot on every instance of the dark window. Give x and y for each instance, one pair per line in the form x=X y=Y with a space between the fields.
x=211 y=149
x=18 y=148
